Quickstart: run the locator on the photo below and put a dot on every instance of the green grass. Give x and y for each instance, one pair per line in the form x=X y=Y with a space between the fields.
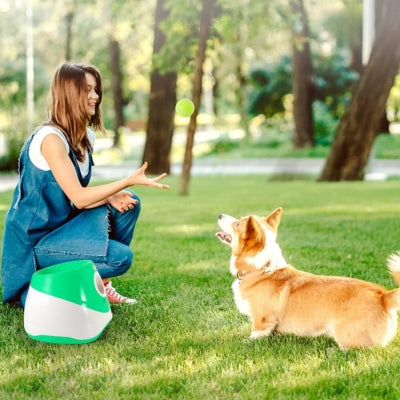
x=185 y=339
x=273 y=144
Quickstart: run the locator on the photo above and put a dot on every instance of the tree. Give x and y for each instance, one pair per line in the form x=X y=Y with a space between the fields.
x=116 y=83
x=110 y=26
x=384 y=122
x=69 y=18
x=359 y=125
x=204 y=32
x=303 y=80
x=160 y=123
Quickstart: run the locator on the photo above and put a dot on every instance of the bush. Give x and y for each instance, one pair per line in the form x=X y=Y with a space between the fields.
x=268 y=88
x=9 y=161
x=223 y=145
x=334 y=80
x=324 y=124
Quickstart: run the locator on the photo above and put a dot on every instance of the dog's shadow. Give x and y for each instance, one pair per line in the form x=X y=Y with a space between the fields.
x=278 y=342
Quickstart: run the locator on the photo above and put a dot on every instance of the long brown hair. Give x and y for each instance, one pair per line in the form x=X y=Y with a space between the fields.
x=67 y=105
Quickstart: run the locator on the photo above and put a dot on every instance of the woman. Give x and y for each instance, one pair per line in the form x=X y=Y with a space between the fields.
x=55 y=216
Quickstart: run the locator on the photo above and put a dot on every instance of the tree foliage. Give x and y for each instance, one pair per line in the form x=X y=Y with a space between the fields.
x=334 y=80
x=269 y=87
x=247 y=46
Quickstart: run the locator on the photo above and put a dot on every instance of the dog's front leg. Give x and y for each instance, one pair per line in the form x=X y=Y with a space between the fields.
x=262 y=327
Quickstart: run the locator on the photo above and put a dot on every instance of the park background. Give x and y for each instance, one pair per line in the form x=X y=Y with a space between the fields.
x=270 y=80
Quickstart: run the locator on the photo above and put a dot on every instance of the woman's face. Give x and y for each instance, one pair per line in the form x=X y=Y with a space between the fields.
x=93 y=97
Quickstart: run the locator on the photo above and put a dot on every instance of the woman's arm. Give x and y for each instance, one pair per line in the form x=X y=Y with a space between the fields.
x=54 y=151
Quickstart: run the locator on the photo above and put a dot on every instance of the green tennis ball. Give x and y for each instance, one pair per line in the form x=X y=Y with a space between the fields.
x=184 y=108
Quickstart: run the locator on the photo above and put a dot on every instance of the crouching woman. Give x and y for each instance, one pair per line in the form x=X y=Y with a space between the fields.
x=55 y=216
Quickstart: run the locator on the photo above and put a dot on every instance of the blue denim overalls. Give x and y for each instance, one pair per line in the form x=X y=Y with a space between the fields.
x=44 y=228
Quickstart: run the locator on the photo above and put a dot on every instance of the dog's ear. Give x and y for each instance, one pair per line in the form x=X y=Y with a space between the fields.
x=253 y=228
x=274 y=219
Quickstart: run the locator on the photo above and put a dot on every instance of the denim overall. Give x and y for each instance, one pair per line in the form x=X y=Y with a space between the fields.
x=43 y=228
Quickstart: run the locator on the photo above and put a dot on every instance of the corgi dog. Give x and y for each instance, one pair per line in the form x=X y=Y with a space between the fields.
x=278 y=297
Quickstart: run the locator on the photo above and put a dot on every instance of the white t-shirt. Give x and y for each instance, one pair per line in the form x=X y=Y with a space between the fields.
x=35 y=153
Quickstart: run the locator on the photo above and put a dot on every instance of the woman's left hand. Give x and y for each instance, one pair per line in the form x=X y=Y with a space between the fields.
x=122 y=201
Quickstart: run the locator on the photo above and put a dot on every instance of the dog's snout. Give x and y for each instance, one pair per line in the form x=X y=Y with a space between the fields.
x=220 y=216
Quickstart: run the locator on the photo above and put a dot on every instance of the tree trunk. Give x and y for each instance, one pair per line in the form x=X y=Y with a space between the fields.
x=204 y=32
x=384 y=122
x=356 y=59
x=359 y=126
x=116 y=82
x=160 y=123
x=69 y=19
x=303 y=80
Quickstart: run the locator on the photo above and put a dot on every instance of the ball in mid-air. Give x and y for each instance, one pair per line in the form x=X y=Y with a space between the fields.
x=184 y=108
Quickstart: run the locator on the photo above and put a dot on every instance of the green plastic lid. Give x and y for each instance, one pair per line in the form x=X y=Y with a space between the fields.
x=74 y=281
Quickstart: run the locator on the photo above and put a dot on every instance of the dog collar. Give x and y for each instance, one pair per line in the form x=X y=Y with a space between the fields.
x=243 y=274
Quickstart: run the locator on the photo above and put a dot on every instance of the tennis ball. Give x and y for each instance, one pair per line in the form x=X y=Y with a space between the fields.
x=184 y=108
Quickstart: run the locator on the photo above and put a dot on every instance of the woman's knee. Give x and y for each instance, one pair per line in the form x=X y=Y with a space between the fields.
x=127 y=261
x=120 y=257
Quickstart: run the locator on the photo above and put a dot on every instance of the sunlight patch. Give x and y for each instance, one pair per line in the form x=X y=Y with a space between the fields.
x=185 y=228
x=199 y=266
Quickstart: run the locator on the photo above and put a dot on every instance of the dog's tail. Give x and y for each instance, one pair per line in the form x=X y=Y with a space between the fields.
x=393 y=296
x=394 y=266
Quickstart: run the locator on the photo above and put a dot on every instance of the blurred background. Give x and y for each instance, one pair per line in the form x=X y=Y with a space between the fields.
x=268 y=78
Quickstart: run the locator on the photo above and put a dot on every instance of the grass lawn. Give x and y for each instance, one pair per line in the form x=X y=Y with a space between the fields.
x=185 y=339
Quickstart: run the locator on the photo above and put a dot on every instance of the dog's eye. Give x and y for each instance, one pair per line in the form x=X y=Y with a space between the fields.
x=237 y=224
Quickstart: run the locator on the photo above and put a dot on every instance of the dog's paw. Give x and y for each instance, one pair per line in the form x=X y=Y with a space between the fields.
x=254 y=337
x=247 y=340
x=259 y=334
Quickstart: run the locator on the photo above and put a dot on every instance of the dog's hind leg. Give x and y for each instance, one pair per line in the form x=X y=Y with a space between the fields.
x=376 y=332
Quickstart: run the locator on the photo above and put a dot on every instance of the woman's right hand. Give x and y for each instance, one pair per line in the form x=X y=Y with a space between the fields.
x=139 y=178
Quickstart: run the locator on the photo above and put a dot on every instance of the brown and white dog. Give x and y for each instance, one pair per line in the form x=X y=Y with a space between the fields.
x=277 y=296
